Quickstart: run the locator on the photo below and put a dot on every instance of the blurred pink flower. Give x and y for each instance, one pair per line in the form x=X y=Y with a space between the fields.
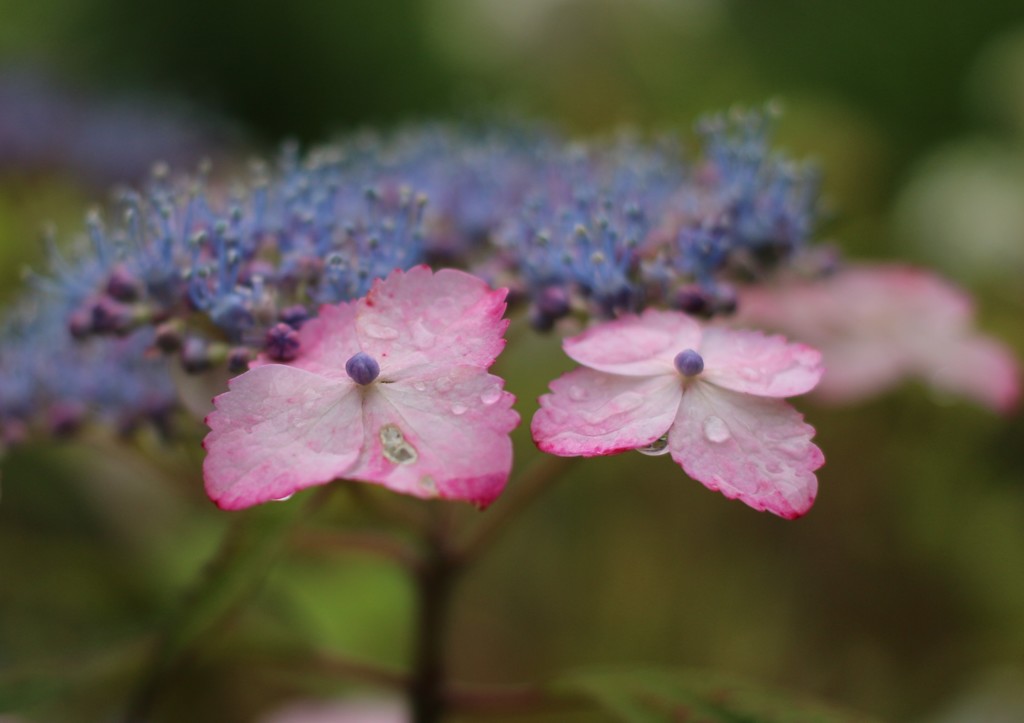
x=345 y=711
x=712 y=398
x=879 y=325
x=391 y=389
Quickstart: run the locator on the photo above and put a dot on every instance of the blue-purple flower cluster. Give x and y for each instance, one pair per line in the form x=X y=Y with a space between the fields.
x=48 y=126
x=216 y=273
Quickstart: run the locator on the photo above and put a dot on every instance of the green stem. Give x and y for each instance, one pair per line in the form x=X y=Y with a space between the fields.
x=435 y=579
x=238 y=567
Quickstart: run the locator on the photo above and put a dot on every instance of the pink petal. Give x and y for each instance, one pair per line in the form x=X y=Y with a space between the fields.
x=768 y=366
x=636 y=345
x=279 y=430
x=420 y=317
x=878 y=325
x=754 y=449
x=439 y=434
x=591 y=413
x=326 y=342
x=980 y=369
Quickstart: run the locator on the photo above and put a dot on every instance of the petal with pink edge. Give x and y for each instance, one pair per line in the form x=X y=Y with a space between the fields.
x=439 y=433
x=751 y=362
x=590 y=413
x=279 y=430
x=420 y=317
x=635 y=345
x=754 y=449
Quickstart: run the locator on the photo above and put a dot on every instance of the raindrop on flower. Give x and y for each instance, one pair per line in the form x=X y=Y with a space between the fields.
x=490 y=396
x=378 y=331
x=656 y=448
x=716 y=430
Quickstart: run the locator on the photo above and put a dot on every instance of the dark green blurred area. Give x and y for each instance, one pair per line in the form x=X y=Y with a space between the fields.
x=900 y=595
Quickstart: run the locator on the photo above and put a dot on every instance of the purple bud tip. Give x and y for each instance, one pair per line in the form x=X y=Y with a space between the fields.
x=122 y=285
x=689 y=363
x=282 y=342
x=238 y=359
x=363 y=368
x=553 y=301
x=294 y=316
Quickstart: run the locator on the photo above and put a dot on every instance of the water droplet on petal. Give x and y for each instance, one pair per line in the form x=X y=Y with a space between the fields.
x=794 y=450
x=419 y=386
x=656 y=448
x=577 y=393
x=490 y=396
x=716 y=430
x=750 y=374
x=444 y=384
x=422 y=337
x=459 y=409
x=377 y=331
x=628 y=402
x=428 y=485
x=283 y=499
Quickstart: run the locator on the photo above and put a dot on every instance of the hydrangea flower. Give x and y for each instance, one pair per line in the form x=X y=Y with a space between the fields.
x=392 y=389
x=878 y=325
x=712 y=398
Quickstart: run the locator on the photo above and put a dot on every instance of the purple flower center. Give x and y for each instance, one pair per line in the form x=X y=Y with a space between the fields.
x=363 y=368
x=689 y=363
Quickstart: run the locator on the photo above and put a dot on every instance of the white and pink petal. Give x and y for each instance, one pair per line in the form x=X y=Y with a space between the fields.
x=755 y=363
x=591 y=413
x=279 y=430
x=439 y=433
x=754 y=449
x=635 y=345
x=419 y=317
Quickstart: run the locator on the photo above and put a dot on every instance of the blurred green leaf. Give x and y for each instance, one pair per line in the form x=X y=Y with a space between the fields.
x=669 y=696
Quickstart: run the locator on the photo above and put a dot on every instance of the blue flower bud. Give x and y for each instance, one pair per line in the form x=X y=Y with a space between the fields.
x=689 y=363
x=363 y=368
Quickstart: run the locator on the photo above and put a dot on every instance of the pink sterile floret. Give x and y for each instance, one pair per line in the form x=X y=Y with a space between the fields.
x=417 y=411
x=878 y=325
x=712 y=398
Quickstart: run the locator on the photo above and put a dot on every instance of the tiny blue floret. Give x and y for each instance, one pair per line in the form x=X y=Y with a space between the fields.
x=689 y=363
x=363 y=368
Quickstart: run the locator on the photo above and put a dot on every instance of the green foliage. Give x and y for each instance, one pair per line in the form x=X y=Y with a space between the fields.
x=669 y=696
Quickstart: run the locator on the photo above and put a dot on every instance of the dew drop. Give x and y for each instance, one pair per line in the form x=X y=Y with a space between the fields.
x=577 y=393
x=716 y=430
x=283 y=499
x=377 y=331
x=459 y=409
x=419 y=386
x=750 y=374
x=428 y=485
x=490 y=396
x=628 y=402
x=656 y=448
x=422 y=337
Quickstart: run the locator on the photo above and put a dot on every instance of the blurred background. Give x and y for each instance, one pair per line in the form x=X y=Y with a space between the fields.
x=902 y=593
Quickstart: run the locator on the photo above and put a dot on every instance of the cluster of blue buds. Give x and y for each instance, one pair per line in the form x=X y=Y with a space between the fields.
x=215 y=274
